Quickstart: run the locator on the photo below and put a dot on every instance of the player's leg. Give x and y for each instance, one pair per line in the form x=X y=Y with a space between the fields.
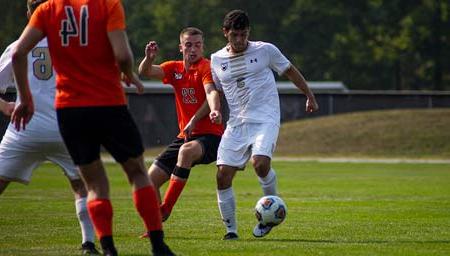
x=98 y=203
x=200 y=150
x=87 y=229
x=127 y=149
x=226 y=200
x=232 y=155
x=162 y=168
x=158 y=177
x=57 y=153
x=266 y=175
x=265 y=137
x=146 y=202
x=82 y=130
x=188 y=154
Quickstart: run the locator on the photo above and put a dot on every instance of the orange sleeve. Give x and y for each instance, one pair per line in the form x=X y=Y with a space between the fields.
x=116 y=16
x=206 y=74
x=168 y=68
x=37 y=19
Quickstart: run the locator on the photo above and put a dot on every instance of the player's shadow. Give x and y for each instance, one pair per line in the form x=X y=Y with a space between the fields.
x=290 y=240
x=299 y=240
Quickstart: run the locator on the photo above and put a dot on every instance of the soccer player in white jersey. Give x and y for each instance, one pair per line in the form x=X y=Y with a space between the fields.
x=22 y=151
x=242 y=70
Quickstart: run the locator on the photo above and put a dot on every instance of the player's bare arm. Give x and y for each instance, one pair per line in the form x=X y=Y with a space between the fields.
x=124 y=57
x=24 y=110
x=146 y=67
x=213 y=98
x=297 y=78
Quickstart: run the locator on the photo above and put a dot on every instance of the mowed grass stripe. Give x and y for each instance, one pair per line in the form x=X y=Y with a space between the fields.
x=333 y=209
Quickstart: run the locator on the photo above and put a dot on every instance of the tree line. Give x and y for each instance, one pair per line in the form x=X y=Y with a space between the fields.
x=367 y=44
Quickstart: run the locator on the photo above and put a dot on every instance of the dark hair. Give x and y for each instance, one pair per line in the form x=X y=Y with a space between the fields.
x=33 y=4
x=236 y=19
x=191 y=31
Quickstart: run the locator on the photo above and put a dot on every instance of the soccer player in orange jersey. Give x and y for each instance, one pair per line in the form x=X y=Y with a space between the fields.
x=199 y=135
x=89 y=49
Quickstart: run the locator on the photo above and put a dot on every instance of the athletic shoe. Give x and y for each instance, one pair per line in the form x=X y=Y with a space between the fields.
x=261 y=230
x=88 y=248
x=163 y=251
x=230 y=236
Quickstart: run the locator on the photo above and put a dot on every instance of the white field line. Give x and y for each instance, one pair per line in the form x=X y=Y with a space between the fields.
x=108 y=159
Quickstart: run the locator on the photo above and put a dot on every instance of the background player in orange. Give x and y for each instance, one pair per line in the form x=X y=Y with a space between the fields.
x=89 y=49
x=199 y=135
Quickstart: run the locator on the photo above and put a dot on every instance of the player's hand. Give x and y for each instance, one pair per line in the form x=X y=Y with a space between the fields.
x=311 y=105
x=22 y=114
x=188 y=129
x=215 y=116
x=133 y=79
x=8 y=108
x=151 y=49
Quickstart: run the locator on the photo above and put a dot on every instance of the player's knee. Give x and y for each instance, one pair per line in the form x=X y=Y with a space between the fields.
x=261 y=167
x=188 y=153
x=78 y=188
x=158 y=176
x=224 y=179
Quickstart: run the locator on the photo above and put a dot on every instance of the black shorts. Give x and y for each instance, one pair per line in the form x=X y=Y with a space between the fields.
x=168 y=159
x=85 y=129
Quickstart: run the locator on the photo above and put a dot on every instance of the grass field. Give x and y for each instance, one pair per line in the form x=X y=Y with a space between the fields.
x=333 y=209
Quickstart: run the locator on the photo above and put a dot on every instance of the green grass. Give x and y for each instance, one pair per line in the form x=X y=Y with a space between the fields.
x=333 y=209
x=420 y=133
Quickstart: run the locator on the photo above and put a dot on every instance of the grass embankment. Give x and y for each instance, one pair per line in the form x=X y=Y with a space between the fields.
x=377 y=134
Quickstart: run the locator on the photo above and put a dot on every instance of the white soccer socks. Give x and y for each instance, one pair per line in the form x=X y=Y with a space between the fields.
x=87 y=229
x=269 y=183
x=227 y=207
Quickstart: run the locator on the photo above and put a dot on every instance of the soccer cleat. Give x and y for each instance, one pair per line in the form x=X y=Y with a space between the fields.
x=88 y=248
x=164 y=250
x=261 y=230
x=230 y=236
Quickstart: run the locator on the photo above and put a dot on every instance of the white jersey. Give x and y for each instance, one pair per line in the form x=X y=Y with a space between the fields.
x=43 y=126
x=248 y=82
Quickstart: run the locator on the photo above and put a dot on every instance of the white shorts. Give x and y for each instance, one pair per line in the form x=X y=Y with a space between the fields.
x=241 y=142
x=19 y=158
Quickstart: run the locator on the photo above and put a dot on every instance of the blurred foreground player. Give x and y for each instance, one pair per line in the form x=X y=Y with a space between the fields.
x=22 y=152
x=89 y=49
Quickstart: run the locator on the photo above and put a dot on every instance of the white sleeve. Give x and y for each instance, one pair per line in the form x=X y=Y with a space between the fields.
x=6 y=71
x=278 y=61
x=214 y=76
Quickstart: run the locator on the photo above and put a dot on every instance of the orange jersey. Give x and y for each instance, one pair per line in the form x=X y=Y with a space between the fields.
x=190 y=94
x=76 y=30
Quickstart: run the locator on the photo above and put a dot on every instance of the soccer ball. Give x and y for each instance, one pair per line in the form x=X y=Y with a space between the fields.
x=270 y=210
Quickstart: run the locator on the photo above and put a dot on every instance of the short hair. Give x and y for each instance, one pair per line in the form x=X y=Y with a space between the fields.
x=191 y=31
x=236 y=19
x=33 y=4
